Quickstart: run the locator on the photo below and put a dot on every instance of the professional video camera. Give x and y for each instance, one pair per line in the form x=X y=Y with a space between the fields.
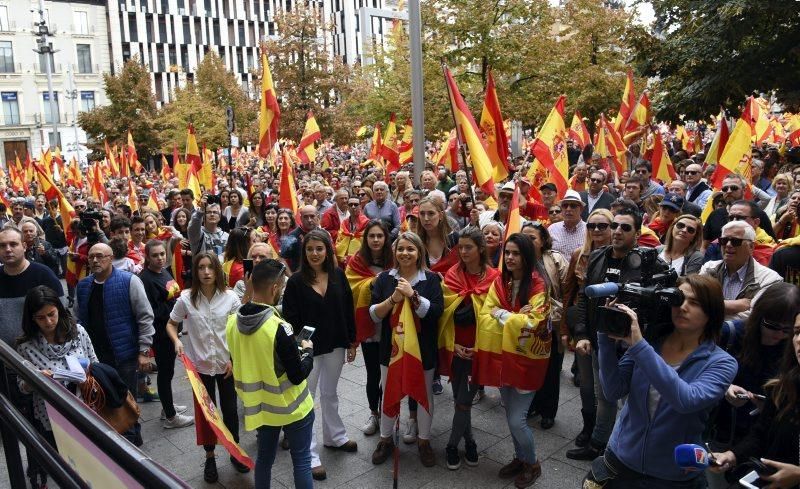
x=648 y=298
x=89 y=225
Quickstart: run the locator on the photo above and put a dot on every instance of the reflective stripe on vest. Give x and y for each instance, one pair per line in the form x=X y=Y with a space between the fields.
x=257 y=386
x=268 y=408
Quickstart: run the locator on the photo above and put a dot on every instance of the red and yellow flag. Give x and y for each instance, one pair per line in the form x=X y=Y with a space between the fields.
x=176 y=264
x=737 y=156
x=152 y=201
x=389 y=150
x=406 y=146
x=578 y=132
x=194 y=162
x=610 y=145
x=469 y=135
x=550 y=147
x=270 y=114
x=288 y=194
x=97 y=184
x=662 y=165
x=628 y=101
x=166 y=172
x=206 y=174
x=213 y=415
x=58 y=159
x=112 y=159
x=640 y=116
x=494 y=130
x=133 y=201
x=133 y=156
x=306 y=150
x=74 y=176
x=48 y=187
x=405 y=376
x=360 y=278
x=448 y=154
x=720 y=140
x=516 y=351
x=377 y=144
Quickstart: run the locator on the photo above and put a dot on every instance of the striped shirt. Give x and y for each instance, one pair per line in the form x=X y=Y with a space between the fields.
x=732 y=283
x=566 y=240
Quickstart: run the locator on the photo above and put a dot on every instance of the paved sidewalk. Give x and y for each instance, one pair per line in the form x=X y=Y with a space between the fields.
x=177 y=451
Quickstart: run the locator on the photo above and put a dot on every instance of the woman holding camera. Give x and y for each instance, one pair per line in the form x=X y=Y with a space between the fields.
x=671 y=386
x=775 y=437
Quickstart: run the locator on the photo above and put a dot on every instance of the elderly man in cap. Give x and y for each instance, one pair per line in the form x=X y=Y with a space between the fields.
x=503 y=204
x=569 y=234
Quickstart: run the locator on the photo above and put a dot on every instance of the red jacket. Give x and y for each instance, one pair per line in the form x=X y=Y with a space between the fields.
x=330 y=222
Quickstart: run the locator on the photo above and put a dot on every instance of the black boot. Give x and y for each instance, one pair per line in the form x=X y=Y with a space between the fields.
x=589 y=452
x=588 y=426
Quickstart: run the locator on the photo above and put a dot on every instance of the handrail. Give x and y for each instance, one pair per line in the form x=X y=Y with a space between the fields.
x=137 y=464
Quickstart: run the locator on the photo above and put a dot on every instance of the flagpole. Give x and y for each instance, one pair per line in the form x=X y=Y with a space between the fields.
x=396 y=468
x=459 y=137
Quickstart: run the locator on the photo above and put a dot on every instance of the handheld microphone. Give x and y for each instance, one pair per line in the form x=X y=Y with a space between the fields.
x=605 y=289
x=691 y=457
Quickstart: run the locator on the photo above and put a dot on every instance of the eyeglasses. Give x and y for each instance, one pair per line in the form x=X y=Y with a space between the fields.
x=98 y=256
x=362 y=194
x=353 y=204
x=642 y=172
x=596 y=180
x=554 y=212
x=737 y=217
x=783 y=328
x=731 y=188
x=691 y=172
x=735 y=242
x=570 y=205
x=212 y=212
x=624 y=225
x=600 y=226
x=689 y=229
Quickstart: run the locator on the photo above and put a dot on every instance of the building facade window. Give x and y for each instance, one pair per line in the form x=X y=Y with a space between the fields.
x=5 y=26
x=51 y=111
x=81 y=22
x=87 y=101
x=6 y=57
x=84 y=58
x=10 y=108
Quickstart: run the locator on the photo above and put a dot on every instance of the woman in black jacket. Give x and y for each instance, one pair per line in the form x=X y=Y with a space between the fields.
x=412 y=280
x=318 y=295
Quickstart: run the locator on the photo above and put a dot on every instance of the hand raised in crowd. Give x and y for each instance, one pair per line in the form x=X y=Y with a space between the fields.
x=204 y=201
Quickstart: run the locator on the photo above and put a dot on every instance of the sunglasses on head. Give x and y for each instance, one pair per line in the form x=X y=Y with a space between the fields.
x=624 y=225
x=682 y=226
x=731 y=188
x=774 y=326
x=600 y=226
x=735 y=242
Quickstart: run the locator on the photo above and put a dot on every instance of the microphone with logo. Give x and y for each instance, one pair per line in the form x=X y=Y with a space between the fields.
x=692 y=458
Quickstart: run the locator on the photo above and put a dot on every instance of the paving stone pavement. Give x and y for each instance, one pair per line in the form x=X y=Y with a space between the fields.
x=177 y=451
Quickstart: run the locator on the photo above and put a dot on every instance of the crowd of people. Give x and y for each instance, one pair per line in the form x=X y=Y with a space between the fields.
x=230 y=279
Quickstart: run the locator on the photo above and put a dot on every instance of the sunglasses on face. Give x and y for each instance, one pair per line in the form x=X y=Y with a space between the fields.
x=570 y=205
x=600 y=226
x=683 y=227
x=624 y=225
x=735 y=242
x=596 y=180
x=774 y=326
x=353 y=204
x=641 y=172
x=731 y=188
x=692 y=172
x=554 y=212
x=362 y=195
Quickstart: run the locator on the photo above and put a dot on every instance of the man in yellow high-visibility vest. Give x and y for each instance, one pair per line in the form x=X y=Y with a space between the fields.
x=270 y=372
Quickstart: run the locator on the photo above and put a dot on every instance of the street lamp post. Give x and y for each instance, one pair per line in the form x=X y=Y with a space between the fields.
x=45 y=49
x=417 y=105
x=72 y=94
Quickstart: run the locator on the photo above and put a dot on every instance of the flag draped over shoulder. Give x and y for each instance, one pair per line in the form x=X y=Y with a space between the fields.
x=550 y=147
x=456 y=288
x=348 y=240
x=468 y=134
x=213 y=415
x=405 y=376
x=360 y=278
x=306 y=150
x=493 y=128
x=515 y=350
x=270 y=113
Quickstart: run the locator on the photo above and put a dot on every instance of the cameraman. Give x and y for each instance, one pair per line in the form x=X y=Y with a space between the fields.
x=606 y=264
x=672 y=384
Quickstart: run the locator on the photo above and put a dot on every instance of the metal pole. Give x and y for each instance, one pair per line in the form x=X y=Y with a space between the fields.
x=417 y=103
x=45 y=49
x=73 y=95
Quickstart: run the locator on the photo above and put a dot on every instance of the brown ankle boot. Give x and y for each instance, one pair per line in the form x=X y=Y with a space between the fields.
x=511 y=469
x=426 y=455
x=383 y=451
x=529 y=474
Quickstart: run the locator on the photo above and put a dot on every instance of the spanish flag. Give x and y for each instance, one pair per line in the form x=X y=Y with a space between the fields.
x=348 y=240
x=515 y=352
x=469 y=135
x=405 y=376
x=306 y=150
x=737 y=156
x=212 y=415
x=448 y=155
x=194 y=162
x=152 y=201
x=578 y=132
x=133 y=201
x=76 y=269
x=457 y=287
x=360 y=278
x=720 y=140
x=270 y=114
x=492 y=126
x=51 y=192
x=406 y=146
x=628 y=101
x=377 y=144
x=550 y=147
x=389 y=150
x=287 y=198
x=662 y=165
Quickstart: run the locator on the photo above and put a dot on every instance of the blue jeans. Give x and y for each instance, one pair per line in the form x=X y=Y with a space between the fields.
x=299 y=436
x=517 y=417
x=129 y=372
x=606 y=409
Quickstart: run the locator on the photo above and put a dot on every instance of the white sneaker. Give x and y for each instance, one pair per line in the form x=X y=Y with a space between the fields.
x=179 y=421
x=371 y=426
x=410 y=435
x=178 y=410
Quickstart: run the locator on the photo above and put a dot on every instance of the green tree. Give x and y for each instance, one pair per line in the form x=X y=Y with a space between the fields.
x=132 y=107
x=707 y=54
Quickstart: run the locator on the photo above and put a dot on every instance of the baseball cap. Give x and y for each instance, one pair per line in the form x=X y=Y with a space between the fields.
x=673 y=201
x=508 y=187
x=549 y=186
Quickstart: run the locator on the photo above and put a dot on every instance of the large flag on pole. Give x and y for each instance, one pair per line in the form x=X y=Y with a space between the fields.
x=287 y=198
x=720 y=140
x=628 y=101
x=550 y=147
x=578 y=131
x=405 y=376
x=406 y=146
x=213 y=415
x=194 y=163
x=270 y=114
x=389 y=149
x=662 y=165
x=640 y=116
x=306 y=150
x=469 y=135
x=493 y=128
x=737 y=156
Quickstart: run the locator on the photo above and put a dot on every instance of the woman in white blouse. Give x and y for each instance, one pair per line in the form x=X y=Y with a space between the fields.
x=204 y=311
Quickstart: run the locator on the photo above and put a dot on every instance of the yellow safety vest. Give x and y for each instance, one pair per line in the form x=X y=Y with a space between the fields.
x=268 y=400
